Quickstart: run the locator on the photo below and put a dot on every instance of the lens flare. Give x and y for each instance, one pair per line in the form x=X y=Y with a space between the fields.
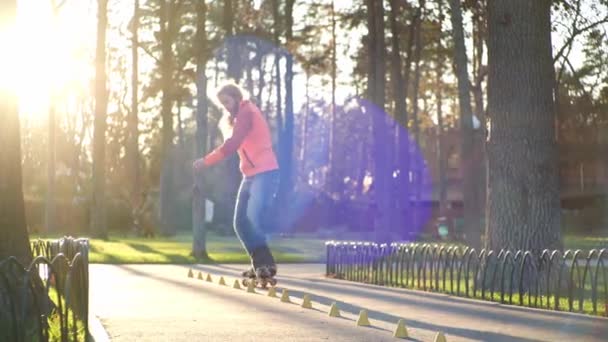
x=334 y=154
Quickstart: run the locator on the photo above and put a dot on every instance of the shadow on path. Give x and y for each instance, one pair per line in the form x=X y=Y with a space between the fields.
x=354 y=310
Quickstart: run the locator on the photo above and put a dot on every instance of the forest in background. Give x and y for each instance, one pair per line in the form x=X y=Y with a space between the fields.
x=317 y=70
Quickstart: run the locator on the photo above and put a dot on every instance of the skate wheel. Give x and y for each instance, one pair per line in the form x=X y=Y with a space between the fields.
x=273 y=282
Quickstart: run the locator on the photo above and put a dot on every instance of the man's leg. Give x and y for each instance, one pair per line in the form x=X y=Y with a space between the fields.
x=242 y=226
x=263 y=190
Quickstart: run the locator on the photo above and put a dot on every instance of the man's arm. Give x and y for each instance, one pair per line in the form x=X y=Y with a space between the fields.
x=231 y=145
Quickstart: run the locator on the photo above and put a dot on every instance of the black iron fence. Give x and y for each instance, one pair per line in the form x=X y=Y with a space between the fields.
x=575 y=281
x=47 y=300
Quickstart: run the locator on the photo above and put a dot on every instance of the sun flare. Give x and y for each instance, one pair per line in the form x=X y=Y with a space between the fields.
x=47 y=59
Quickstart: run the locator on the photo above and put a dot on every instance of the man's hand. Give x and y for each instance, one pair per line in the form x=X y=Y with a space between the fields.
x=199 y=165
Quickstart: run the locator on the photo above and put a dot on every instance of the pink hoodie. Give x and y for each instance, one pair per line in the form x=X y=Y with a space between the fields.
x=251 y=139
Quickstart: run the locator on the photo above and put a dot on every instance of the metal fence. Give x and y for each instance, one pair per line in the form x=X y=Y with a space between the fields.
x=48 y=300
x=575 y=281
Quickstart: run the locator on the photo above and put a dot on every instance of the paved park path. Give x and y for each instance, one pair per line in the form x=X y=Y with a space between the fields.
x=160 y=303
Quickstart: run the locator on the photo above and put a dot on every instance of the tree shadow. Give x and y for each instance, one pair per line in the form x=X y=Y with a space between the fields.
x=446 y=304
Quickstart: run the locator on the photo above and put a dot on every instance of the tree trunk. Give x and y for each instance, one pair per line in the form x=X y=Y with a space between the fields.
x=261 y=80
x=277 y=65
x=14 y=240
x=523 y=187
x=50 y=201
x=233 y=71
x=361 y=167
x=402 y=205
x=376 y=93
x=472 y=219
x=417 y=167
x=279 y=95
x=181 y=138
x=167 y=21
x=49 y=215
x=441 y=164
x=331 y=146
x=233 y=178
x=305 y=124
x=404 y=138
x=98 y=214
x=199 y=231
x=133 y=142
x=479 y=73
x=287 y=133
x=249 y=79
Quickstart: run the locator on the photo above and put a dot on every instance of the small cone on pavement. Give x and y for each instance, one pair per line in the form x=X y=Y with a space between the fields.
x=333 y=310
x=222 y=281
x=285 y=296
x=401 y=331
x=272 y=292
x=250 y=287
x=209 y=278
x=363 y=320
x=440 y=337
x=306 y=303
x=190 y=273
x=236 y=285
x=200 y=275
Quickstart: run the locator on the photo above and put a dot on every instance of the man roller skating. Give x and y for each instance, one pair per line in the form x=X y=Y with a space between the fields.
x=246 y=132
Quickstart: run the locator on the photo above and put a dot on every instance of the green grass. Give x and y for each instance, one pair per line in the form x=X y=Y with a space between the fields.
x=575 y=242
x=563 y=304
x=55 y=322
x=176 y=250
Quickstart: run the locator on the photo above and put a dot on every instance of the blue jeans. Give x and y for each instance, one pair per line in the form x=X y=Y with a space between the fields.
x=254 y=215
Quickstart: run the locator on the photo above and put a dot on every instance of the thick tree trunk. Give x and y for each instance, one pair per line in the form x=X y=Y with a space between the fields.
x=199 y=231
x=472 y=218
x=523 y=188
x=14 y=239
x=98 y=209
x=376 y=93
